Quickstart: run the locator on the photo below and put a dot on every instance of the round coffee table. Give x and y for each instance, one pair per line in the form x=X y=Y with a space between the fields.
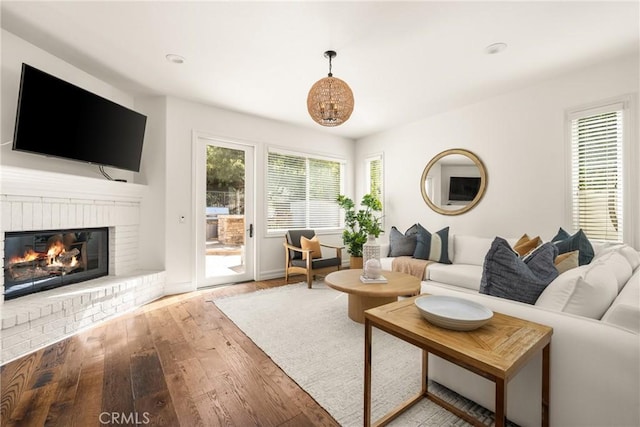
x=363 y=296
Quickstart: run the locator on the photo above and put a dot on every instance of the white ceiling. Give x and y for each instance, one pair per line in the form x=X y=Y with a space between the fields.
x=403 y=60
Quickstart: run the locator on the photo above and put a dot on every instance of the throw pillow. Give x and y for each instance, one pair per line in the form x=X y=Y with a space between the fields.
x=585 y=291
x=579 y=242
x=567 y=261
x=560 y=235
x=434 y=247
x=526 y=245
x=313 y=244
x=402 y=244
x=506 y=275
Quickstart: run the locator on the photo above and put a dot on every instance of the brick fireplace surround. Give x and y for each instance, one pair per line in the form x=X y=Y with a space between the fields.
x=37 y=200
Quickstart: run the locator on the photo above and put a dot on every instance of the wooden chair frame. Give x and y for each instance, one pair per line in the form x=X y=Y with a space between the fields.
x=308 y=271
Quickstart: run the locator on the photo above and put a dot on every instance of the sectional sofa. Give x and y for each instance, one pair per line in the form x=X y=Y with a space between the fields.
x=594 y=310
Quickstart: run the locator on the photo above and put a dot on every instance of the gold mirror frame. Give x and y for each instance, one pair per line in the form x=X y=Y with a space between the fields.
x=483 y=182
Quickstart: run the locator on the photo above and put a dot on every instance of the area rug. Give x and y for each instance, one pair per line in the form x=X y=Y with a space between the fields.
x=307 y=333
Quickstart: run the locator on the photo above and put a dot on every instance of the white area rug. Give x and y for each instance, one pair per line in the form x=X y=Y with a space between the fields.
x=308 y=334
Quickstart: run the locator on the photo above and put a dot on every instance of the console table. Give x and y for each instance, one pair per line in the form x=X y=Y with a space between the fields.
x=496 y=351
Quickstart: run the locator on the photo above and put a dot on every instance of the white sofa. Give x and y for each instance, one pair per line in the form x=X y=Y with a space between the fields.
x=595 y=363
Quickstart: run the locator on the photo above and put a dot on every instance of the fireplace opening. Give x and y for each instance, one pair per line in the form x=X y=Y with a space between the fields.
x=40 y=260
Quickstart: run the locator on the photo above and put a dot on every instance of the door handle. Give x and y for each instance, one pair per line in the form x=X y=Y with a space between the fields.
x=250 y=230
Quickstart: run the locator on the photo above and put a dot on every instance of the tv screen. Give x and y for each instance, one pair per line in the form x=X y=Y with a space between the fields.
x=58 y=119
x=463 y=188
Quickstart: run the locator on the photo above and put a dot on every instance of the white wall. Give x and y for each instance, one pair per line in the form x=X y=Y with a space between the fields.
x=520 y=137
x=15 y=51
x=183 y=117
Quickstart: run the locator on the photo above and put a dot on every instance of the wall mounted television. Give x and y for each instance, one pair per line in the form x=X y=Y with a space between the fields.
x=463 y=188
x=58 y=119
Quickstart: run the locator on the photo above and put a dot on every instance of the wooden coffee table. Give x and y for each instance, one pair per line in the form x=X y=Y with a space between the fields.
x=497 y=351
x=363 y=296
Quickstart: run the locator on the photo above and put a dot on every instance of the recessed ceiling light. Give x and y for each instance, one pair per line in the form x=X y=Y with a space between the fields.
x=176 y=59
x=494 y=48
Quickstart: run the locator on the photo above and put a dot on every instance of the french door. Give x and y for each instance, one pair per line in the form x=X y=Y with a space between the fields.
x=223 y=185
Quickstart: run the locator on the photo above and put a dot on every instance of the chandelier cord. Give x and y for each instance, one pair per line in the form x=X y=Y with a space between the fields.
x=330 y=74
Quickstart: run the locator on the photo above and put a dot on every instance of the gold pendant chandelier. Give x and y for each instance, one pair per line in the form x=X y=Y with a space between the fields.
x=330 y=100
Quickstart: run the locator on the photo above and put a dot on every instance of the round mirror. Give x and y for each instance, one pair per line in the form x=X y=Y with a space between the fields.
x=453 y=182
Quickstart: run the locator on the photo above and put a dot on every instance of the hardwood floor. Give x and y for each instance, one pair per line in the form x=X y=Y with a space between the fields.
x=177 y=361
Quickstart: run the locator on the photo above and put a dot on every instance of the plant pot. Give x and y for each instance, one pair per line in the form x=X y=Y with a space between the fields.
x=355 y=262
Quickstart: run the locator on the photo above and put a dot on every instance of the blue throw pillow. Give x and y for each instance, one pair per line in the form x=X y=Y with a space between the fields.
x=402 y=244
x=506 y=275
x=434 y=247
x=577 y=242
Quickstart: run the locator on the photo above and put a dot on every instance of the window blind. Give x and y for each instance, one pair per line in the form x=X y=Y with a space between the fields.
x=597 y=172
x=302 y=192
x=374 y=176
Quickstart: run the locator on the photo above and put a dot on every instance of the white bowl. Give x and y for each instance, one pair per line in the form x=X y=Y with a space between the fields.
x=453 y=313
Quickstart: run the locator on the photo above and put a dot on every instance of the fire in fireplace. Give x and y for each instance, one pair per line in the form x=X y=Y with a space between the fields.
x=41 y=260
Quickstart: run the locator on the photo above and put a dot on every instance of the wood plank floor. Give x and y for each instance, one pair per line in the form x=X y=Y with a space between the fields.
x=177 y=361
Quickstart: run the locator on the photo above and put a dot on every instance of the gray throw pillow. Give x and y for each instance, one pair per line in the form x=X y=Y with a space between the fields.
x=402 y=244
x=433 y=246
x=576 y=242
x=506 y=275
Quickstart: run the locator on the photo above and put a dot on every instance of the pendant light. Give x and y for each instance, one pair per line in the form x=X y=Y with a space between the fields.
x=330 y=100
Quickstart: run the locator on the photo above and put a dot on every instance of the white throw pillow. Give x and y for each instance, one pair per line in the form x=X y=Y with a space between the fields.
x=586 y=291
x=470 y=249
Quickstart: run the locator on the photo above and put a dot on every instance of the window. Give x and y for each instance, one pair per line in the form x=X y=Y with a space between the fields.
x=302 y=191
x=597 y=184
x=374 y=177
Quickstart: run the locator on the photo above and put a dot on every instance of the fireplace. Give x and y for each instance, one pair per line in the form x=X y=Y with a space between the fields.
x=35 y=261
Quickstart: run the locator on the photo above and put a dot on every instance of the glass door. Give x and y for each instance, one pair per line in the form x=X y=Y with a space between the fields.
x=224 y=199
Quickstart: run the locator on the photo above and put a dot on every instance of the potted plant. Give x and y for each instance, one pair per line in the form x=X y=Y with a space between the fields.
x=360 y=224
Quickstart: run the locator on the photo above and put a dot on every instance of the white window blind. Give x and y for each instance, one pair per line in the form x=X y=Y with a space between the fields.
x=374 y=178
x=597 y=172
x=302 y=192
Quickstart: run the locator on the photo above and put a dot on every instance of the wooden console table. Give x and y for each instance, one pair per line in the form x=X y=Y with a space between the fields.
x=497 y=351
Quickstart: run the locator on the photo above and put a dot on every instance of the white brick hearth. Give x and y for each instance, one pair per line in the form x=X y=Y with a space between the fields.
x=36 y=200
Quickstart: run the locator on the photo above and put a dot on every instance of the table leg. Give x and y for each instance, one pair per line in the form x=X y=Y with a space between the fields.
x=425 y=371
x=546 y=370
x=501 y=402
x=367 y=373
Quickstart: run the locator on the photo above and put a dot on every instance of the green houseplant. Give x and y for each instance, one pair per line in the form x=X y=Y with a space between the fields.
x=359 y=224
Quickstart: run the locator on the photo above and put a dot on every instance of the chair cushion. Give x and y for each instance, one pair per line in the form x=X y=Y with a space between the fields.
x=316 y=263
x=313 y=244
x=293 y=238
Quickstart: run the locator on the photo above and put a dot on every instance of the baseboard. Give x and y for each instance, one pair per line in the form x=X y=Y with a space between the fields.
x=179 y=288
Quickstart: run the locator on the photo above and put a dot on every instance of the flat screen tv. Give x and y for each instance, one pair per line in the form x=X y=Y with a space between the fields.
x=59 y=119
x=463 y=188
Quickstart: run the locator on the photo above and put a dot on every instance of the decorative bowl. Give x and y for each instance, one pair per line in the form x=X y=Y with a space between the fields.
x=453 y=313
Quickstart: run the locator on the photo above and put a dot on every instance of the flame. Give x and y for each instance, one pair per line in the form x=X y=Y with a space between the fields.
x=30 y=255
x=55 y=249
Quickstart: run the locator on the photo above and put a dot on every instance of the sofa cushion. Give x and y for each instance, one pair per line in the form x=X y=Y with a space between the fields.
x=506 y=275
x=619 y=265
x=460 y=275
x=585 y=291
x=434 y=247
x=632 y=256
x=402 y=244
x=577 y=241
x=625 y=309
x=470 y=249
